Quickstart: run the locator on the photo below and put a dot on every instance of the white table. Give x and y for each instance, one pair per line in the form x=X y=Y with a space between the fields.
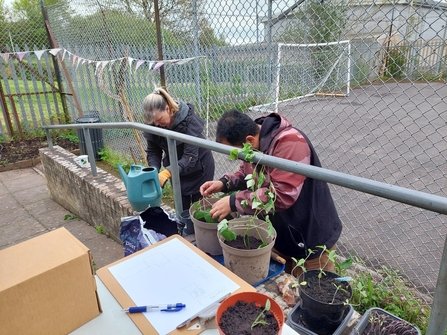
x=113 y=321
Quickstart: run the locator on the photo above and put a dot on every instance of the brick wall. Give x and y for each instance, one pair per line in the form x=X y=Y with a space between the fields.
x=99 y=201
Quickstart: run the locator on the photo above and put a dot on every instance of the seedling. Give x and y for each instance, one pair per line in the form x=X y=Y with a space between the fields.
x=331 y=257
x=263 y=208
x=202 y=212
x=382 y=324
x=260 y=318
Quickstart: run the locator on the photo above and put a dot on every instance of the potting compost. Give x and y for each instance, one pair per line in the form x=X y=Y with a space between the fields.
x=238 y=319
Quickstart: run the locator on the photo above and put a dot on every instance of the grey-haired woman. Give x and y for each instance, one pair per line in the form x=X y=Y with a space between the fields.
x=196 y=165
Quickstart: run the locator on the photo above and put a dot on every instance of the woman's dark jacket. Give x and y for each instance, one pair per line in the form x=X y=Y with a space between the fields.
x=196 y=165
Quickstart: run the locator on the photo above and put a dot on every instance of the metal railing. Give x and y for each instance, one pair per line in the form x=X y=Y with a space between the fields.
x=438 y=204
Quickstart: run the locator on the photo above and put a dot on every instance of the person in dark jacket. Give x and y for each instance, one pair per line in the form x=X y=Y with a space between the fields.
x=305 y=216
x=196 y=165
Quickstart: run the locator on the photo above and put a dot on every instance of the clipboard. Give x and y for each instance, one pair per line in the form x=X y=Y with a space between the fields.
x=138 y=318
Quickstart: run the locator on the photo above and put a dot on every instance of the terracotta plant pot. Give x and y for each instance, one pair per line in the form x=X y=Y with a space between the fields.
x=252 y=265
x=205 y=232
x=323 y=317
x=235 y=304
x=386 y=324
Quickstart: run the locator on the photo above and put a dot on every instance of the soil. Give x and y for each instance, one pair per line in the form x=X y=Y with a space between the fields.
x=385 y=324
x=238 y=243
x=20 y=150
x=237 y=320
x=325 y=289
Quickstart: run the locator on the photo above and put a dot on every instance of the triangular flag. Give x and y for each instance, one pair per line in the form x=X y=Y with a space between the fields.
x=80 y=59
x=157 y=66
x=63 y=55
x=130 y=60
x=112 y=62
x=54 y=52
x=139 y=62
x=39 y=53
x=104 y=63
x=150 y=64
x=74 y=59
x=21 y=54
x=98 y=65
x=5 y=57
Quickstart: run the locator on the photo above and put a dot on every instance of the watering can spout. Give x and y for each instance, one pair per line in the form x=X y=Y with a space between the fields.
x=123 y=175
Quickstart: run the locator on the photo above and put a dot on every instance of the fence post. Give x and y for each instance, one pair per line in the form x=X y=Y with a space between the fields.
x=175 y=179
x=437 y=324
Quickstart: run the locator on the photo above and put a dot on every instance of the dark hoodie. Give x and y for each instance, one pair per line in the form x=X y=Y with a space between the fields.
x=305 y=214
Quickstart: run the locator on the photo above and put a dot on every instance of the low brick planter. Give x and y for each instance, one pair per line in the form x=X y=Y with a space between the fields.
x=98 y=200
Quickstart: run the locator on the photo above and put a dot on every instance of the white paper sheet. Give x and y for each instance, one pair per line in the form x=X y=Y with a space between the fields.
x=172 y=273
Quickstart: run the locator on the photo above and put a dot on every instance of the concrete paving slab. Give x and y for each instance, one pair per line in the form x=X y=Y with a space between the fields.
x=8 y=203
x=25 y=195
x=42 y=206
x=11 y=216
x=20 y=229
x=26 y=211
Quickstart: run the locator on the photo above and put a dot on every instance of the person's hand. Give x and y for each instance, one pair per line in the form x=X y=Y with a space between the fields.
x=221 y=209
x=210 y=187
x=163 y=176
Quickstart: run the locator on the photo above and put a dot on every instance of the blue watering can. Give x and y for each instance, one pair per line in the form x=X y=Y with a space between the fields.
x=143 y=186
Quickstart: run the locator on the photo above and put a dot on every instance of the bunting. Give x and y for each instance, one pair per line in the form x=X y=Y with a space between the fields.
x=78 y=60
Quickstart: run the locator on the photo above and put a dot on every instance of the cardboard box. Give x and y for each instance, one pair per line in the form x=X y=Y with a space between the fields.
x=47 y=285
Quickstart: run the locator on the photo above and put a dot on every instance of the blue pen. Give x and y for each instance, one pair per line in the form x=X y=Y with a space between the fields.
x=162 y=308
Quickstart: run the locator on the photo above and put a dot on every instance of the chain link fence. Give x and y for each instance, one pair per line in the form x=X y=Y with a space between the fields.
x=364 y=80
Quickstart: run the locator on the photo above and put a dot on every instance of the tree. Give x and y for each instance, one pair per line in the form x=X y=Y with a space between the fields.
x=316 y=23
x=208 y=38
x=117 y=28
x=178 y=17
x=24 y=23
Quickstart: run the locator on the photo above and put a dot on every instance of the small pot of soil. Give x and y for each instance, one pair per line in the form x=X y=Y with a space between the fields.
x=244 y=256
x=205 y=227
x=295 y=321
x=249 y=313
x=323 y=300
x=381 y=322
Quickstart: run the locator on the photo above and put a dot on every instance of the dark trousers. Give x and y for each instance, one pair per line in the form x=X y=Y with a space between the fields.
x=187 y=200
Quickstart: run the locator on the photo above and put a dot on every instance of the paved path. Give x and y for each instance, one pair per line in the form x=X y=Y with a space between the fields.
x=26 y=211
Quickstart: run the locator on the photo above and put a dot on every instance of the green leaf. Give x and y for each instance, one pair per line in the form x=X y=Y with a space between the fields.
x=256 y=203
x=346 y=264
x=270 y=230
x=261 y=179
x=267 y=305
x=250 y=183
x=225 y=231
x=222 y=225
x=228 y=235
x=234 y=154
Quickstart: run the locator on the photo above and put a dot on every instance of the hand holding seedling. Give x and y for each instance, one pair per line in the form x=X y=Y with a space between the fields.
x=221 y=209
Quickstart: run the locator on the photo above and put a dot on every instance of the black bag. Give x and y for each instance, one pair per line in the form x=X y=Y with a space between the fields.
x=139 y=231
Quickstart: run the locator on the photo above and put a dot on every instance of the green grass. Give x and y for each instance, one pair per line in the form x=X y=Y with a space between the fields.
x=393 y=293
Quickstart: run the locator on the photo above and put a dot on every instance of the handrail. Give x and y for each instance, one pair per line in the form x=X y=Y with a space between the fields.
x=411 y=197
x=438 y=320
